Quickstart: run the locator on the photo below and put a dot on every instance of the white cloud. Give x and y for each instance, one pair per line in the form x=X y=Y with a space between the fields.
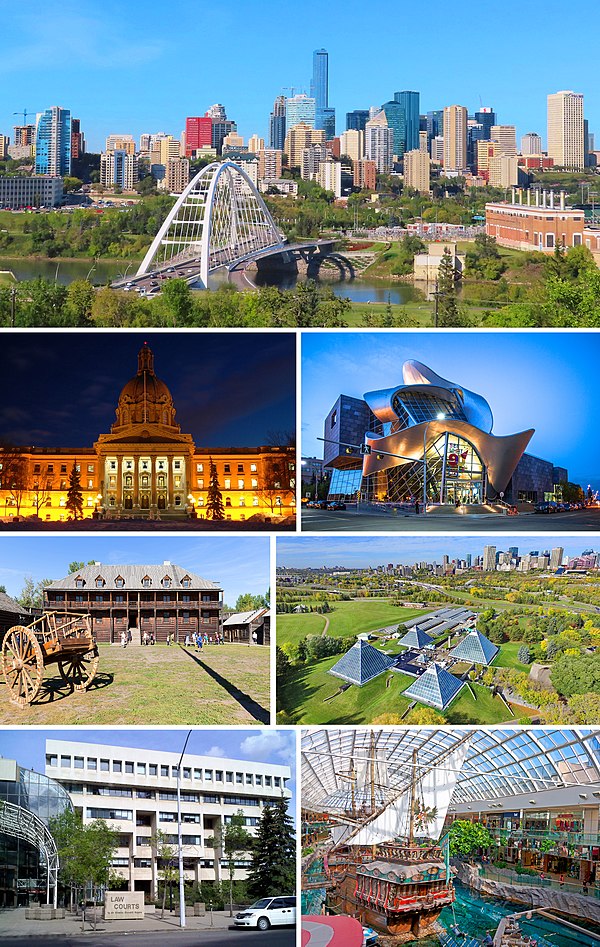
x=216 y=751
x=270 y=745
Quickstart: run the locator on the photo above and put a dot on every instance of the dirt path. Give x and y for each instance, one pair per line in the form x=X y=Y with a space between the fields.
x=324 y=632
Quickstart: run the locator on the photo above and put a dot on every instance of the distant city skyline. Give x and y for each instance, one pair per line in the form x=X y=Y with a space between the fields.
x=81 y=57
x=239 y=564
x=530 y=380
x=362 y=552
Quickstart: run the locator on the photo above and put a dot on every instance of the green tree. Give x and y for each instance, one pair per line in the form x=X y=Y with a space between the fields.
x=576 y=674
x=233 y=841
x=80 y=298
x=273 y=869
x=74 y=494
x=177 y=302
x=466 y=837
x=214 y=498
x=85 y=851
x=448 y=314
x=524 y=655
x=32 y=593
x=168 y=872
x=248 y=602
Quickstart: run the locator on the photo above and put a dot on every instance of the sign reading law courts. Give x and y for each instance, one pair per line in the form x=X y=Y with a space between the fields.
x=126 y=905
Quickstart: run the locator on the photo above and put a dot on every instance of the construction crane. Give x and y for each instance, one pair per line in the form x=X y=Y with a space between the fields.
x=24 y=113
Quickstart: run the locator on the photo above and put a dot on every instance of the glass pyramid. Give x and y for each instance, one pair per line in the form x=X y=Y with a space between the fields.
x=435 y=687
x=361 y=664
x=416 y=638
x=475 y=647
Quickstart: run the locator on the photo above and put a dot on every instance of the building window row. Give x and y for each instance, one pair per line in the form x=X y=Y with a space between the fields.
x=209 y=775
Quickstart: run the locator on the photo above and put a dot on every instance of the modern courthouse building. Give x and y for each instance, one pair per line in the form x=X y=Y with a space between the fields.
x=135 y=791
x=429 y=438
x=160 y=600
x=146 y=467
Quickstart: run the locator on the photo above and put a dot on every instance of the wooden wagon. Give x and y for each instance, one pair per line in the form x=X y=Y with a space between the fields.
x=62 y=638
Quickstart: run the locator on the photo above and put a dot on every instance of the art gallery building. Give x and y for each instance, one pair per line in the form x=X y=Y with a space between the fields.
x=429 y=438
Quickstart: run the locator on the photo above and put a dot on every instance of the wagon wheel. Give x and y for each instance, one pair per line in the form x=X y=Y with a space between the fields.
x=79 y=670
x=22 y=664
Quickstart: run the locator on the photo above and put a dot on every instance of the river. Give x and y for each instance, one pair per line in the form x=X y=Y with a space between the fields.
x=103 y=271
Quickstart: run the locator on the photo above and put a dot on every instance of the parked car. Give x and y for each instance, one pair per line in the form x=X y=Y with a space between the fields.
x=268 y=912
x=336 y=505
x=545 y=507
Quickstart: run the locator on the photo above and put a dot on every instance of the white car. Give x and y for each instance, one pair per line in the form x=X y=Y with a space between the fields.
x=268 y=912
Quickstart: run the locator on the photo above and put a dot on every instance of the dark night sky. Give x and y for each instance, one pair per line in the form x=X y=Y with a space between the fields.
x=229 y=389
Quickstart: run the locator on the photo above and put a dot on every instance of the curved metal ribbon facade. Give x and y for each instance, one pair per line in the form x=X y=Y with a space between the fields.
x=500 y=455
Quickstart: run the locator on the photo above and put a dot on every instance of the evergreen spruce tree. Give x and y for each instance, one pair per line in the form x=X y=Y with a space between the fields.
x=74 y=494
x=273 y=870
x=214 y=498
x=448 y=314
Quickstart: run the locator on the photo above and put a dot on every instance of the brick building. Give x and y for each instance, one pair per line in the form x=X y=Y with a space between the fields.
x=540 y=224
x=158 y=599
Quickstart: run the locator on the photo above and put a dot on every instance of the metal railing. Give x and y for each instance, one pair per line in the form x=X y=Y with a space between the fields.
x=510 y=876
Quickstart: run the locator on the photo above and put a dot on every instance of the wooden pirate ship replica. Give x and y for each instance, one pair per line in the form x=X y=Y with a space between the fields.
x=386 y=866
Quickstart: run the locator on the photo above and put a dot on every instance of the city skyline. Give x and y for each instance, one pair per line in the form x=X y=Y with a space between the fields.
x=362 y=552
x=239 y=565
x=520 y=378
x=228 y=390
x=105 y=52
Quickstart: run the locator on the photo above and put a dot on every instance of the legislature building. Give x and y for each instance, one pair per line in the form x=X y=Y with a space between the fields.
x=146 y=468
x=429 y=440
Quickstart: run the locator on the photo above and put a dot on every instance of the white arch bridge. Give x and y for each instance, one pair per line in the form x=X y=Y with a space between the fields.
x=219 y=222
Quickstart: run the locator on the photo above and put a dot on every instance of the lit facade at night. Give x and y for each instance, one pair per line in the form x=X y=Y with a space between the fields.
x=145 y=467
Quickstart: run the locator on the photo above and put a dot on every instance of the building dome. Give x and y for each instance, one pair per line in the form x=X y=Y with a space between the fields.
x=145 y=399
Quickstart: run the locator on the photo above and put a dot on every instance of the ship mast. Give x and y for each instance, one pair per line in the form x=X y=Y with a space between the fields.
x=413 y=796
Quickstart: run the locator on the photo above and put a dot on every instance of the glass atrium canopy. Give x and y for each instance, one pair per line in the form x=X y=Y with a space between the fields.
x=500 y=764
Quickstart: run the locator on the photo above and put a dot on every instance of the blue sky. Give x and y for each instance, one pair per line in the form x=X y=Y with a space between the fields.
x=240 y=564
x=142 y=67
x=27 y=745
x=540 y=380
x=361 y=551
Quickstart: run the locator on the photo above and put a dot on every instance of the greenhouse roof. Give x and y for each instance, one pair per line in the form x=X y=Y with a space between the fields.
x=475 y=647
x=361 y=664
x=435 y=687
x=500 y=763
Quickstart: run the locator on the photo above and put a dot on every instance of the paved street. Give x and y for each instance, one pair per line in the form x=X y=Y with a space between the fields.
x=17 y=931
x=349 y=521
x=282 y=937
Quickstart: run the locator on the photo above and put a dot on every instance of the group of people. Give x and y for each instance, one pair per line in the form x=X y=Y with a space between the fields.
x=126 y=638
x=199 y=640
x=148 y=638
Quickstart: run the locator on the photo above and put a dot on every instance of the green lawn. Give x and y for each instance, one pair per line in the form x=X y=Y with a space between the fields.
x=348 y=619
x=156 y=685
x=507 y=656
x=305 y=698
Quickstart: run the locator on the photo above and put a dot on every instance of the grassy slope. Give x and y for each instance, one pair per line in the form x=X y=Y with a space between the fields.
x=305 y=698
x=155 y=685
x=348 y=619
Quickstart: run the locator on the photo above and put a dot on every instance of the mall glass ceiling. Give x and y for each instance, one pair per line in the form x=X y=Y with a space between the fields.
x=499 y=763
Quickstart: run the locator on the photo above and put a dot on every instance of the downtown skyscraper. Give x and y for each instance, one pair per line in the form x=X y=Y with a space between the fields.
x=53 y=142
x=319 y=90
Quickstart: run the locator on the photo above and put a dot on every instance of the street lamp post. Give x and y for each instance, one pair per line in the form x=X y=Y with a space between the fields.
x=179 y=837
